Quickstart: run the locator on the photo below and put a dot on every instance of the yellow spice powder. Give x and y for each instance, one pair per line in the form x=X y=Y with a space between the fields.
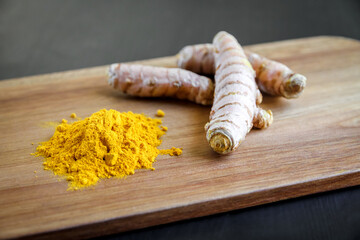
x=160 y=113
x=106 y=144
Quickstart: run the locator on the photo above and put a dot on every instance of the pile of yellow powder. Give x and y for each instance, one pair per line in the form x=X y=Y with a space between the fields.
x=106 y=144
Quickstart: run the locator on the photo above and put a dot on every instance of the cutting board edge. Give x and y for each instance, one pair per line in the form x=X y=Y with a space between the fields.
x=212 y=207
x=319 y=37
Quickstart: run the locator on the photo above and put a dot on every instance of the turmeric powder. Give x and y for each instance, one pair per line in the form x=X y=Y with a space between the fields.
x=172 y=151
x=106 y=144
x=160 y=113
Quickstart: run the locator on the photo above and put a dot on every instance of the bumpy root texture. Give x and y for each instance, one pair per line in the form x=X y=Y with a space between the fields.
x=263 y=119
x=273 y=78
x=148 y=81
x=234 y=110
x=197 y=58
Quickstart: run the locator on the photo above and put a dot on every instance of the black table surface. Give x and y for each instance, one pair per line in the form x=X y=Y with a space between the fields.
x=49 y=36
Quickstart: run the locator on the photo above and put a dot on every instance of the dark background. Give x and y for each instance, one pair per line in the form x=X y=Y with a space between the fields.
x=47 y=36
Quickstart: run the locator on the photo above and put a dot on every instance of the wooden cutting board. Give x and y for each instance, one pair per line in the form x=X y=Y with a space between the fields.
x=312 y=146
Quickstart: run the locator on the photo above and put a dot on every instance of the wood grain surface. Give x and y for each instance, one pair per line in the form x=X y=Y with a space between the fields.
x=312 y=146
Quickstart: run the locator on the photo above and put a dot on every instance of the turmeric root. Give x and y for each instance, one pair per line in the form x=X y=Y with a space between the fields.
x=234 y=111
x=148 y=81
x=272 y=77
x=197 y=58
x=119 y=78
x=276 y=78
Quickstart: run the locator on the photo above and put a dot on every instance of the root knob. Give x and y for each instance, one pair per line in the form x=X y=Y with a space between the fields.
x=294 y=86
x=263 y=119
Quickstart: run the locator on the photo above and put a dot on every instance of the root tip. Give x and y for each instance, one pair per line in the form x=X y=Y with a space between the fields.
x=294 y=86
x=111 y=73
x=220 y=143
